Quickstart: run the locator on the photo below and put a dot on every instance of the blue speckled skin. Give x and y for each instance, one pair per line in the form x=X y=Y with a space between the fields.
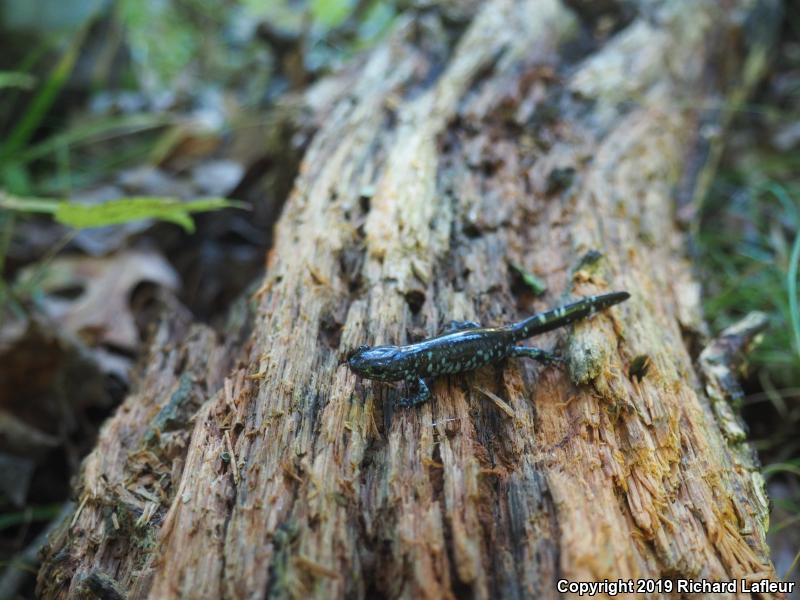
x=466 y=346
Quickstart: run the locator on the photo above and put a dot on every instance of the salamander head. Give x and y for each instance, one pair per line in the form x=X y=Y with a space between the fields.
x=377 y=362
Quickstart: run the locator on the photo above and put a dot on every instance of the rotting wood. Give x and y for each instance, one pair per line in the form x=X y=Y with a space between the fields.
x=435 y=168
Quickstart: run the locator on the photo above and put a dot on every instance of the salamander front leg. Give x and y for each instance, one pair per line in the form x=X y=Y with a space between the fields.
x=422 y=395
x=537 y=354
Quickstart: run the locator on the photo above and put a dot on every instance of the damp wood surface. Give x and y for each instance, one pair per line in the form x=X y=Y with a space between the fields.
x=250 y=463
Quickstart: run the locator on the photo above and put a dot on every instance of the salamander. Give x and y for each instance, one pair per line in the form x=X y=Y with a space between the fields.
x=465 y=345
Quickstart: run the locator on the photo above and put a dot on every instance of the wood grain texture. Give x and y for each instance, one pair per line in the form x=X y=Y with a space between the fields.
x=263 y=468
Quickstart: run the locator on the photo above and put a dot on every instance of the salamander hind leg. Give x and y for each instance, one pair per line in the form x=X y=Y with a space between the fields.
x=454 y=326
x=537 y=354
x=422 y=395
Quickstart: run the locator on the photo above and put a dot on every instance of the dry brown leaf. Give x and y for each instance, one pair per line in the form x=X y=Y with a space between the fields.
x=89 y=296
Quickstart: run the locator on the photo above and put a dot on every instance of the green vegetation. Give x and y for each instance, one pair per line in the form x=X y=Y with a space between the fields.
x=29 y=515
x=534 y=283
x=749 y=253
x=118 y=211
x=749 y=257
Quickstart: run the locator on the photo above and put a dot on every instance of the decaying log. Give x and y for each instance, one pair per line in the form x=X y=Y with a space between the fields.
x=254 y=464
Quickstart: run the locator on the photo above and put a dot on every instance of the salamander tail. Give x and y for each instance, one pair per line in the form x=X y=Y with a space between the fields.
x=564 y=315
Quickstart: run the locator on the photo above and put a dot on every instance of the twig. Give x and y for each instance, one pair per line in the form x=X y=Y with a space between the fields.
x=233 y=457
x=78 y=512
x=501 y=404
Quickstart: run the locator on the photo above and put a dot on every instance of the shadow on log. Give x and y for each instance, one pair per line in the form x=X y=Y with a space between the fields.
x=254 y=464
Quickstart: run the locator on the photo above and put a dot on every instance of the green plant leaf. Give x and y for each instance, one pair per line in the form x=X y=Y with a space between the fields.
x=791 y=285
x=14 y=177
x=375 y=23
x=330 y=13
x=133 y=209
x=163 y=41
x=114 y=212
x=536 y=285
x=29 y=515
x=15 y=79
x=89 y=133
x=43 y=99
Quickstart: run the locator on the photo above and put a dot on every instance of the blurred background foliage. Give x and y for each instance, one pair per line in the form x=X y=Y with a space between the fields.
x=145 y=61
x=747 y=255
x=178 y=101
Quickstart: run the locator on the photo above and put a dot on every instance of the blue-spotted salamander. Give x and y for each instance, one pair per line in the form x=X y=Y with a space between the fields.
x=465 y=345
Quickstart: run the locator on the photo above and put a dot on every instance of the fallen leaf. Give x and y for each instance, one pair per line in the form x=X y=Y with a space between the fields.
x=90 y=296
